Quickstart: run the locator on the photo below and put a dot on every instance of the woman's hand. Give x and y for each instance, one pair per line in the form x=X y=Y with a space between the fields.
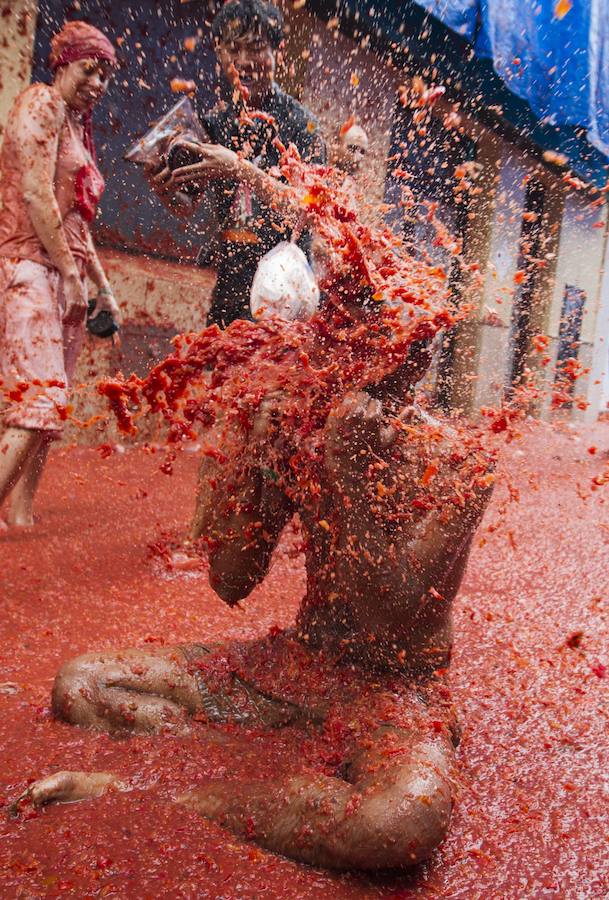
x=75 y=297
x=215 y=162
x=106 y=301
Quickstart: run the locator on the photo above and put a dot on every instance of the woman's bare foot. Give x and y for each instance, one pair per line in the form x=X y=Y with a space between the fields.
x=184 y=561
x=20 y=518
x=66 y=787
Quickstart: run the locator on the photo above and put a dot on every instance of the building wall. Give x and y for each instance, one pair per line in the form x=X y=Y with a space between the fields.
x=504 y=225
x=502 y=261
x=342 y=79
x=470 y=342
x=580 y=265
x=16 y=43
x=337 y=77
x=598 y=385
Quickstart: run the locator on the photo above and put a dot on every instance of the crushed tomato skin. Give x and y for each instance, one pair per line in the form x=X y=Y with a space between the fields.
x=182 y=86
x=561 y=8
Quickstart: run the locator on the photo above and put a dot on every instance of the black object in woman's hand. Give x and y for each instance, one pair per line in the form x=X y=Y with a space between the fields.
x=101 y=325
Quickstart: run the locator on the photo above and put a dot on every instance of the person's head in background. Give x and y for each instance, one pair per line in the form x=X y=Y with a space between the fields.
x=247 y=35
x=351 y=149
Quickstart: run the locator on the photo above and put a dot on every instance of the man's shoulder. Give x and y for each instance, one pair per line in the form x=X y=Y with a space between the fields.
x=296 y=110
x=300 y=127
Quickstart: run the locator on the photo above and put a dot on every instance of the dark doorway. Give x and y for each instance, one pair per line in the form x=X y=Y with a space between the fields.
x=527 y=288
x=431 y=160
x=573 y=304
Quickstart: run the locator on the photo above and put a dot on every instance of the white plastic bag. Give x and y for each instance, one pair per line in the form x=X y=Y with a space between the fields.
x=284 y=285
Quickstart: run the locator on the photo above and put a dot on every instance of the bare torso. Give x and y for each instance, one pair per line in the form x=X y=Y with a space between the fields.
x=371 y=633
x=365 y=598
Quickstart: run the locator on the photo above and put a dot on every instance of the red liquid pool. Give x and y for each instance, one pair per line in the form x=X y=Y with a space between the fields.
x=532 y=693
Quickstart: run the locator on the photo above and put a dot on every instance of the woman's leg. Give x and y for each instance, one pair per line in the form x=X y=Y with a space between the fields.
x=37 y=354
x=32 y=360
x=18 y=447
x=21 y=501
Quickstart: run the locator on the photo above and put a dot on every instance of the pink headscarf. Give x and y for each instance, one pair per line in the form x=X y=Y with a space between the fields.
x=79 y=40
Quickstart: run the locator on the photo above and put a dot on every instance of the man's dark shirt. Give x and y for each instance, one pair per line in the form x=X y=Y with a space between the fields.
x=249 y=227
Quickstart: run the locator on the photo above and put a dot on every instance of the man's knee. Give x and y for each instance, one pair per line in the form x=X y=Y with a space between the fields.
x=74 y=690
x=431 y=823
x=410 y=836
x=404 y=825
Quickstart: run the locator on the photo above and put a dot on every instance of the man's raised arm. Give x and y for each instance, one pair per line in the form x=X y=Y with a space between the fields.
x=241 y=513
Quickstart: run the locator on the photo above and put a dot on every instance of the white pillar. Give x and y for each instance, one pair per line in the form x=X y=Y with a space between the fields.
x=18 y=30
x=598 y=384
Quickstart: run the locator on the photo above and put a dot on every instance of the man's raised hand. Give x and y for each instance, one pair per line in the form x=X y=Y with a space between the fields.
x=354 y=435
x=214 y=161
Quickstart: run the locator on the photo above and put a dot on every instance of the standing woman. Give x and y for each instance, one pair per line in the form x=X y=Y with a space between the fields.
x=49 y=189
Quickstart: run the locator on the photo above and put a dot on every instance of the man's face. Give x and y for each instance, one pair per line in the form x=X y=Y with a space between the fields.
x=351 y=150
x=253 y=58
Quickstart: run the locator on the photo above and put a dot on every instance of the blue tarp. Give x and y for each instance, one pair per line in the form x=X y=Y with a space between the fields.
x=560 y=66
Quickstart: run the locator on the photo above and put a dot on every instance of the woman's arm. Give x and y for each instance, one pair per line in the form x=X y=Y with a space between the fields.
x=38 y=125
x=105 y=294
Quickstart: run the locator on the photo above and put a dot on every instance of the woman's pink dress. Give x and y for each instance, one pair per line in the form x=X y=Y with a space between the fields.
x=37 y=351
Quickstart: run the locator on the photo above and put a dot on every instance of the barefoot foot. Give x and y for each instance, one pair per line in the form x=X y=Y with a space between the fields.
x=66 y=787
x=20 y=517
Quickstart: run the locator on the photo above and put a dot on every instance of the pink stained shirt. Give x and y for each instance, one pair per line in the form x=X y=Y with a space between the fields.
x=78 y=186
